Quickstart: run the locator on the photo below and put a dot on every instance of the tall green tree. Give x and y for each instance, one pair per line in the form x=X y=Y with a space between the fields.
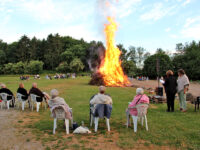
x=2 y=57
x=129 y=67
x=11 y=53
x=123 y=56
x=189 y=60
x=23 y=49
x=150 y=63
x=53 y=51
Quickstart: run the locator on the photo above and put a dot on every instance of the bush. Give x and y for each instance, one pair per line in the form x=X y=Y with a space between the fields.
x=8 y=68
x=19 y=68
x=63 y=67
x=35 y=67
x=76 y=65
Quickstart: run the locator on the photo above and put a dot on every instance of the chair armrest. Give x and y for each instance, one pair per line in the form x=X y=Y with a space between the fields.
x=131 y=107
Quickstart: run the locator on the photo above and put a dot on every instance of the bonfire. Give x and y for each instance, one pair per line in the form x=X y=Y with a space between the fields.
x=110 y=72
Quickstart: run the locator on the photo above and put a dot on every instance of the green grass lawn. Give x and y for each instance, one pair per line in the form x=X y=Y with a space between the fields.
x=175 y=130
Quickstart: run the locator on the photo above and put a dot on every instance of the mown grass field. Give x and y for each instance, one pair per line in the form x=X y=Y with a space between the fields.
x=166 y=130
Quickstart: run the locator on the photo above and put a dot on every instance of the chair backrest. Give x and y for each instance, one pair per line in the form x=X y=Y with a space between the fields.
x=4 y=96
x=33 y=97
x=19 y=96
x=59 y=113
x=142 y=109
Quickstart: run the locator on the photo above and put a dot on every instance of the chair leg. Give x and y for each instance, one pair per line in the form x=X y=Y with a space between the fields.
x=96 y=119
x=8 y=104
x=67 y=125
x=142 y=120
x=135 y=118
x=91 y=120
x=45 y=105
x=108 y=124
x=38 y=106
x=146 y=122
x=32 y=105
x=23 y=103
x=127 y=119
x=54 y=125
x=72 y=120
x=18 y=103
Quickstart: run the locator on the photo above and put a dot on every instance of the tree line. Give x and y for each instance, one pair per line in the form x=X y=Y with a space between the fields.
x=186 y=57
x=66 y=54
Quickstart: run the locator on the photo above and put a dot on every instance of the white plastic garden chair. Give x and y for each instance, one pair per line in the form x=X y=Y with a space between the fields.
x=60 y=115
x=4 y=100
x=141 y=114
x=96 y=120
x=34 y=100
x=20 y=100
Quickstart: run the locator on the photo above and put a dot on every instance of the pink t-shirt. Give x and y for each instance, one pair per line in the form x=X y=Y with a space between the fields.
x=144 y=99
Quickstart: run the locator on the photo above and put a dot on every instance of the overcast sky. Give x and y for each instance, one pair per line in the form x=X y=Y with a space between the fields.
x=151 y=24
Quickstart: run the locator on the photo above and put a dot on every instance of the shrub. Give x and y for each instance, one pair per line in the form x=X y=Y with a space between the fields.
x=8 y=68
x=19 y=68
x=34 y=67
x=76 y=65
x=63 y=67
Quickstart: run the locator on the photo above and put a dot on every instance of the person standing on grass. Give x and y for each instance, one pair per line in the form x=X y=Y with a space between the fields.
x=183 y=85
x=170 y=85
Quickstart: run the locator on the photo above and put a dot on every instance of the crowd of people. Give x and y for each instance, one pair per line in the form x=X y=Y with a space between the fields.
x=59 y=76
x=142 y=78
x=24 y=77
x=171 y=85
x=49 y=77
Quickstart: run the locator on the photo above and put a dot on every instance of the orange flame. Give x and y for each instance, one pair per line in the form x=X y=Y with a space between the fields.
x=110 y=68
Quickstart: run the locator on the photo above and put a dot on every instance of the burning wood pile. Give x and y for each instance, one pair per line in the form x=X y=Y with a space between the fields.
x=110 y=72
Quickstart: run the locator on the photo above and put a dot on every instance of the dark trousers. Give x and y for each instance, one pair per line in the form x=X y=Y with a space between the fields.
x=170 y=101
x=39 y=99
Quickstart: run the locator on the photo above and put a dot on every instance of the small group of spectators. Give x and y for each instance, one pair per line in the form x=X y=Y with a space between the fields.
x=37 y=76
x=48 y=77
x=24 y=77
x=25 y=94
x=60 y=76
x=142 y=78
x=173 y=86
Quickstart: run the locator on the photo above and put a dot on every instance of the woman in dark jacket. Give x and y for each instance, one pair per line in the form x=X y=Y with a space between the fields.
x=170 y=85
x=22 y=91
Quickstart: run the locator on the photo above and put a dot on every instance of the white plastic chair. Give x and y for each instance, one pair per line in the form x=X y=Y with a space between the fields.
x=96 y=120
x=34 y=100
x=4 y=100
x=60 y=115
x=20 y=100
x=141 y=114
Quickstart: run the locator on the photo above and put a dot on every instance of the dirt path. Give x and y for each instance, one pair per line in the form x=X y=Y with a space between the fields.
x=194 y=87
x=11 y=138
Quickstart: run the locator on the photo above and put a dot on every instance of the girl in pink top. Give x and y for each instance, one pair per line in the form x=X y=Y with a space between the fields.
x=139 y=98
